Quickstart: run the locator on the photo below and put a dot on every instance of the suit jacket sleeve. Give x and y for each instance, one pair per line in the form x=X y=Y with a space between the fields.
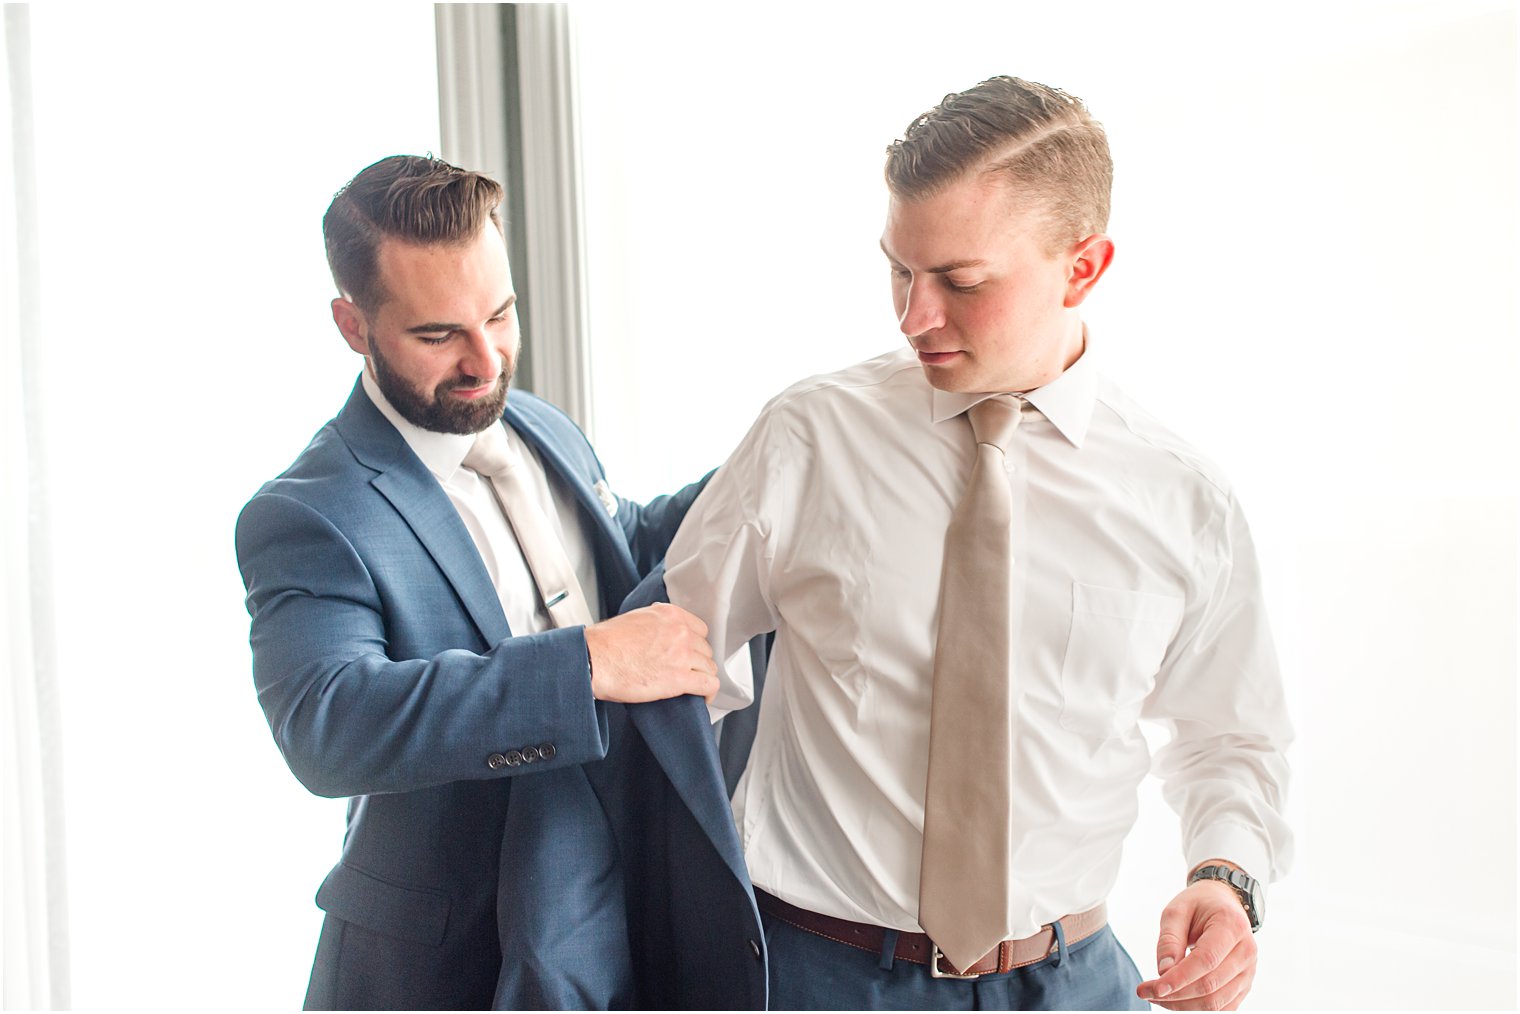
x=650 y=527
x=352 y=720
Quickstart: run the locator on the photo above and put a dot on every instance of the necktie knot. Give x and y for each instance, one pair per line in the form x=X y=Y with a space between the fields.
x=994 y=420
x=489 y=454
x=543 y=549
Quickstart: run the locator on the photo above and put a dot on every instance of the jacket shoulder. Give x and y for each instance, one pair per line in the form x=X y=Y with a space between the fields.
x=324 y=469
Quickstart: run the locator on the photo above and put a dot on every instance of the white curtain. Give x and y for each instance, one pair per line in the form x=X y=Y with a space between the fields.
x=36 y=941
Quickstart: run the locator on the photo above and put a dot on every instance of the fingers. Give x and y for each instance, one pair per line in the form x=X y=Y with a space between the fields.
x=1217 y=957
x=1171 y=944
x=700 y=661
x=704 y=671
x=1221 y=980
x=1228 y=997
x=707 y=688
x=1209 y=918
x=1208 y=960
x=650 y=654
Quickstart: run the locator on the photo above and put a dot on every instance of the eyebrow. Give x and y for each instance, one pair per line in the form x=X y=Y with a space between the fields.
x=433 y=327
x=942 y=269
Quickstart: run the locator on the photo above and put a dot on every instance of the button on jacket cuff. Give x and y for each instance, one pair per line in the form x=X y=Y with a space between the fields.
x=552 y=714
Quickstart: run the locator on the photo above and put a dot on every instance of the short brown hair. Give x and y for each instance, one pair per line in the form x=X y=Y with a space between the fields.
x=1041 y=141
x=407 y=197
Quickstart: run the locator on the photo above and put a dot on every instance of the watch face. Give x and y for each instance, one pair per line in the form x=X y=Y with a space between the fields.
x=1258 y=906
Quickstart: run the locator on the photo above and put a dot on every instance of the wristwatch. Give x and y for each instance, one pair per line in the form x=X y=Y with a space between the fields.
x=1246 y=888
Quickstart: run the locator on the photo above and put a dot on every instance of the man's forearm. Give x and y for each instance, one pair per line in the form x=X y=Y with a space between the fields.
x=370 y=724
x=350 y=719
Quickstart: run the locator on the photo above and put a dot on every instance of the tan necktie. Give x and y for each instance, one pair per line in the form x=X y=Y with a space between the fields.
x=963 y=889
x=553 y=573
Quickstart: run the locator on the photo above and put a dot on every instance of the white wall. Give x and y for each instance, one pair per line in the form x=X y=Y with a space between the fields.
x=185 y=156
x=1315 y=218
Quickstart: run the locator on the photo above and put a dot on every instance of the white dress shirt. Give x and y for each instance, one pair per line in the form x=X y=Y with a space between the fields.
x=1135 y=594
x=473 y=498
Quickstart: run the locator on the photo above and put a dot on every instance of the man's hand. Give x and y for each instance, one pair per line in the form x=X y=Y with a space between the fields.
x=1217 y=973
x=650 y=654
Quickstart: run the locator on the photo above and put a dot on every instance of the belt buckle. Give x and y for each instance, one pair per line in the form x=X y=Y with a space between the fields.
x=934 y=972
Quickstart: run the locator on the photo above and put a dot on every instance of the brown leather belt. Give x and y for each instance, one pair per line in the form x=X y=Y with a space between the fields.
x=918 y=948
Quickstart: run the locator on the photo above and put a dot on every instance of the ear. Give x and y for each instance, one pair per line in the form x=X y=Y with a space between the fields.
x=1089 y=259
x=351 y=324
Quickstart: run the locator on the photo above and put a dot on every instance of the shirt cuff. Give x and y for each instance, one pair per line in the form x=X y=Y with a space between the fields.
x=736 y=685
x=1238 y=844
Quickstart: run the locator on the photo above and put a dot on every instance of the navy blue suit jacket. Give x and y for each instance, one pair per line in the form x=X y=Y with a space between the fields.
x=388 y=674
x=648 y=903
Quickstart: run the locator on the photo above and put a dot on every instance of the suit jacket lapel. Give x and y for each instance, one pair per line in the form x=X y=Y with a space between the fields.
x=555 y=463
x=405 y=481
x=679 y=734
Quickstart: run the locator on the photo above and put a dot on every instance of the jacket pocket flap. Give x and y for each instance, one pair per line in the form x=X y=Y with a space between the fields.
x=410 y=913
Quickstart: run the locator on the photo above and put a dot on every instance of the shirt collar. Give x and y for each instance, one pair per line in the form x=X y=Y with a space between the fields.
x=442 y=453
x=1066 y=401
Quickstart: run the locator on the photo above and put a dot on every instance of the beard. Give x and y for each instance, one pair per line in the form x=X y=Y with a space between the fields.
x=442 y=413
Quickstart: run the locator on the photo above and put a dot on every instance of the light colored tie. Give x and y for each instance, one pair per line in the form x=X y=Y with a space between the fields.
x=552 y=571
x=963 y=888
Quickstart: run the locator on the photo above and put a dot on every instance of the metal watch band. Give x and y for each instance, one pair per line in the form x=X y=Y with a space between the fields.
x=1245 y=887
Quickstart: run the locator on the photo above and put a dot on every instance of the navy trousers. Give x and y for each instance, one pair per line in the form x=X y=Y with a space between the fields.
x=809 y=972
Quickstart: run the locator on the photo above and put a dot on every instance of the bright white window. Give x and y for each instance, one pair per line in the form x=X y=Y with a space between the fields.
x=185 y=156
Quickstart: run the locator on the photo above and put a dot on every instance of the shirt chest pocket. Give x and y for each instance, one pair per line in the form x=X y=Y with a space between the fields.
x=1117 y=641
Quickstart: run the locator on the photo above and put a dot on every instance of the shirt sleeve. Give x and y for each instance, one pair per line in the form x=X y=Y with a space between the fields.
x=1220 y=695
x=719 y=566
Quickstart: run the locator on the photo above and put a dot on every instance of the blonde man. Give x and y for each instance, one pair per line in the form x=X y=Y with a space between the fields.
x=983 y=563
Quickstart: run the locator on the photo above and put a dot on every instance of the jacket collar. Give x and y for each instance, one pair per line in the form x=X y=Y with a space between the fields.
x=406 y=481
